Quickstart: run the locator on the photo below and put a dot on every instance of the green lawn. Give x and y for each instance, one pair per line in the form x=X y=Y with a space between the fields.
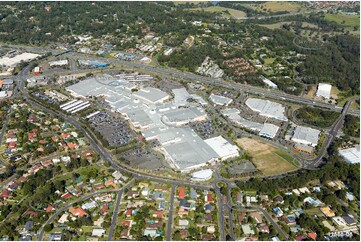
x=232 y=12
x=287 y=157
x=344 y=19
x=269 y=61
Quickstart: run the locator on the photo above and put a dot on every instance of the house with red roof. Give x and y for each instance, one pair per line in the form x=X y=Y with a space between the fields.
x=77 y=212
x=5 y=194
x=65 y=135
x=55 y=138
x=109 y=183
x=157 y=214
x=182 y=193
x=12 y=145
x=65 y=196
x=49 y=209
x=208 y=198
x=128 y=213
x=312 y=235
x=104 y=209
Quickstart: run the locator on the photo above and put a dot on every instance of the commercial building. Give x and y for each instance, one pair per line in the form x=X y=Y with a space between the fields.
x=306 y=135
x=223 y=148
x=58 y=63
x=269 y=130
x=266 y=129
x=233 y=115
x=351 y=155
x=150 y=112
x=324 y=90
x=202 y=175
x=267 y=108
x=220 y=100
x=92 y=63
x=269 y=83
x=37 y=70
x=152 y=95
x=13 y=61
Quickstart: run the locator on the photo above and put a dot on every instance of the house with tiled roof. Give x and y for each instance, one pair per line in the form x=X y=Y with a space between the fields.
x=77 y=212
x=49 y=209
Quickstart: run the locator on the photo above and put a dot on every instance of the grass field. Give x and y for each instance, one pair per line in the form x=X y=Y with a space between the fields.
x=281 y=6
x=269 y=61
x=275 y=26
x=267 y=158
x=344 y=19
x=232 y=12
x=314 y=211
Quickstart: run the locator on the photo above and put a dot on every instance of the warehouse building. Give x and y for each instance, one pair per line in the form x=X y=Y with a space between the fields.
x=269 y=83
x=223 y=148
x=269 y=130
x=156 y=118
x=233 y=115
x=306 y=135
x=220 y=100
x=58 y=63
x=351 y=155
x=152 y=95
x=324 y=90
x=267 y=108
x=202 y=175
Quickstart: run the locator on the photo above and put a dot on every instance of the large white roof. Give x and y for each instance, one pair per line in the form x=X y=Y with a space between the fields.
x=13 y=61
x=324 y=90
x=202 y=174
x=269 y=130
x=222 y=147
x=306 y=135
x=267 y=108
x=351 y=155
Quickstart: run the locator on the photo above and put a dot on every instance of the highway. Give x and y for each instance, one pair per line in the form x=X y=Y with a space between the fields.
x=332 y=133
x=274 y=94
x=106 y=156
x=170 y=214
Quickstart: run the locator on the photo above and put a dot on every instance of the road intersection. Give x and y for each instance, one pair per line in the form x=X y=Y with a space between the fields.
x=107 y=157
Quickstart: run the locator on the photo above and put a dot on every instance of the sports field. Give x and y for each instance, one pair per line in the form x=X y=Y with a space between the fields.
x=267 y=158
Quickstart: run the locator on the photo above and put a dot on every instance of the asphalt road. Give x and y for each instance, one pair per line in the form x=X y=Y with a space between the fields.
x=141 y=175
x=115 y=216
x=332 y=133
x=5 y=124
x=274 y=94
x=170 y=214
x=275 y=225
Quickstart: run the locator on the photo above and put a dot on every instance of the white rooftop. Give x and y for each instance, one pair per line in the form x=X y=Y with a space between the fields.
x=222 y=147
x=220 y=100
x=306 y=135
x=351 y=155
x=13 y=61
x=324 y=90
x=269 y=130
x=202 y=174
x=152 y=95
x=267 y=108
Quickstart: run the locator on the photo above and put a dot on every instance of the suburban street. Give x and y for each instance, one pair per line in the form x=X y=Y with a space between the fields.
x=69 y=205
x=108 y=157
x=170 y=214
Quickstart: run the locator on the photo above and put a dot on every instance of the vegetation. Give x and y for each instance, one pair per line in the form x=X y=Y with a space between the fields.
x=351 y=126
x=335 y=168
x=316 y=117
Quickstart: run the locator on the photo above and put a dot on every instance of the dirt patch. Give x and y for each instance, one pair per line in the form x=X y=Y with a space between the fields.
x=265 y=157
